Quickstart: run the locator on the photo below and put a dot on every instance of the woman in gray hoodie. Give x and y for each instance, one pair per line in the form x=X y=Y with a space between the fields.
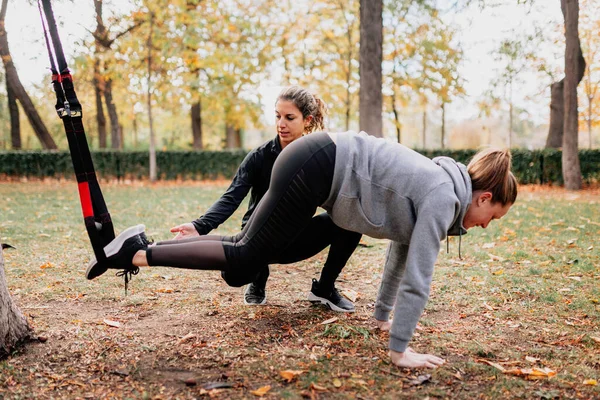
x=368 y=185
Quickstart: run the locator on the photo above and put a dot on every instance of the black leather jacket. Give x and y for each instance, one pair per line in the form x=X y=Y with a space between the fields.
x=254 y=176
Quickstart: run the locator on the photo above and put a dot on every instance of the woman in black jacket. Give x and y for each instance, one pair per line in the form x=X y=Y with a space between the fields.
x=297 y=113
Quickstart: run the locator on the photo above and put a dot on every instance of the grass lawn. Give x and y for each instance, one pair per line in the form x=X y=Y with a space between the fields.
x=524 y=295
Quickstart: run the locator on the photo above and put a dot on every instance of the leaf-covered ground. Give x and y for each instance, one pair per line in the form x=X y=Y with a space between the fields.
x=522 y=303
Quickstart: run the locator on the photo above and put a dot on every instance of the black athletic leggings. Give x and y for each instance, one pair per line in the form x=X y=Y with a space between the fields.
x=300 y=182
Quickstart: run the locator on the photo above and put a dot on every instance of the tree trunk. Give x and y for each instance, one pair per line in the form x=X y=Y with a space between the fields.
x=443 y=139
x=100 y=117
x=396 y=118
x=424 y=129
x=557 y=115
x=14 y=328
x=115 y=128
x=135 y=131
x=510 y=124
x=12 y=80
x=571 y=168
x=233 y=138
x=371 y=50
x=510 y=113
x=557 y=105
x=15 y=123
x=152 y=150
x=196 y=113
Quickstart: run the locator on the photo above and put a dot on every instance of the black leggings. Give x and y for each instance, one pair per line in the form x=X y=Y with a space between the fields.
x=300 y=182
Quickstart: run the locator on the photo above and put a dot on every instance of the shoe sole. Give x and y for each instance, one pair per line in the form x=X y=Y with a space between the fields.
x=94 y=270
x=313 y=298
x=254 y=304
x=262 y=303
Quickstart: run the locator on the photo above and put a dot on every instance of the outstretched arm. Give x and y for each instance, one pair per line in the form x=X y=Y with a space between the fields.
x=223 y=208
x=434 y=216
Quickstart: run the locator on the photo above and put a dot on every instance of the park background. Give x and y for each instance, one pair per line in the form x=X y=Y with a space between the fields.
x=516 y=316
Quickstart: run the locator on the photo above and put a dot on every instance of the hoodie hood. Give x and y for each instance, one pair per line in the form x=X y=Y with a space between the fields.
x=463 y=189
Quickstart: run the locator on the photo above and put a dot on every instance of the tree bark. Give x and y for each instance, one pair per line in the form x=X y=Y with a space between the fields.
x=12 y=80
x=115 y=128
x=443 y=139
x=99 y=92
x=15 y=123
x=396 y=118
x=557 y=115
x=371 y=53
x=196 y=114
x=152 y=150
x=233 y=138
x=424 y=129
x=571 y=168
x=557 y=104
x=14 y=329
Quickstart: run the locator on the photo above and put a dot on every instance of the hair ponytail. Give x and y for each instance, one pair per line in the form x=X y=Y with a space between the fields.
x=309 y=105
x=490 y=172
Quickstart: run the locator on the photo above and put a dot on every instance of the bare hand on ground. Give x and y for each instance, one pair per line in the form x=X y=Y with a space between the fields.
x=383 y=325
x=185 y=231
x=412 y=359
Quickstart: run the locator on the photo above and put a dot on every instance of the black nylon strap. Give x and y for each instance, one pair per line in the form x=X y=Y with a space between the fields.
x=96 y=216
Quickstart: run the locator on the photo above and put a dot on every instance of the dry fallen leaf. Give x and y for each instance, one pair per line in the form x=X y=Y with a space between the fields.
x=290 y=374
x=261 y=391
x=532 y=359
x=329 y=321
x=591 y=382
x=114 y=324
x=186 y=338
x=532 y=373
x=595 y=339
x=419 y=380
x=317 y=387
x=350 y=294
x=164 y=290
x=337 y=383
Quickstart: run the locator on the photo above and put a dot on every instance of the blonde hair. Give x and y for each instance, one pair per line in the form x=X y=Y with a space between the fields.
x=308 y=104
x=490 y=172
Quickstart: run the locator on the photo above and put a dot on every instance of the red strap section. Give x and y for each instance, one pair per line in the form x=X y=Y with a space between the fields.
x=86 y=199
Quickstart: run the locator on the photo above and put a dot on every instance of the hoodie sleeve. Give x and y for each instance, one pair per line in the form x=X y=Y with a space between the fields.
x=223 y=208
x=434 y=216
x=395 y=263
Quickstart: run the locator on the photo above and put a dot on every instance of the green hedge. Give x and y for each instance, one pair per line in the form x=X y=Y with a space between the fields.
x=536 y=166
x=120 y=164
x=529 y=166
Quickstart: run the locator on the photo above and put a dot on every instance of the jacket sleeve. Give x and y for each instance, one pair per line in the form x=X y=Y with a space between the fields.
x=434 y=217
x=223 y=208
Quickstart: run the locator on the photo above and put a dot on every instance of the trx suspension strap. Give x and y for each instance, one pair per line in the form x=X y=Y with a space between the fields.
x=95 y=214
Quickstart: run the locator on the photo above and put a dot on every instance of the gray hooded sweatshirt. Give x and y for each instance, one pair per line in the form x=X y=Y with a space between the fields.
x=388 y=191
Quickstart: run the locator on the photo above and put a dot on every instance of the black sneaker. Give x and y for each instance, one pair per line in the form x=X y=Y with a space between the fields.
x=254 y=295
x=120 y=252
x=331 y=298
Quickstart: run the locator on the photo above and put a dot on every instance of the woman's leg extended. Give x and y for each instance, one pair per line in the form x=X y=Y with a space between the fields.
x=300 y=182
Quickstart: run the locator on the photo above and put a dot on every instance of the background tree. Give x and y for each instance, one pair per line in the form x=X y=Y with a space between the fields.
x=104 y=41
x=370 y=70
x=557 y=100
x=17 y=91
x=590 y=43
x=513 y=57
x=571 y=168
